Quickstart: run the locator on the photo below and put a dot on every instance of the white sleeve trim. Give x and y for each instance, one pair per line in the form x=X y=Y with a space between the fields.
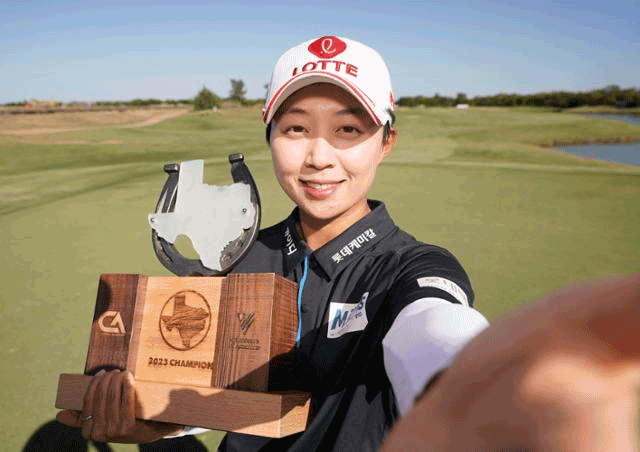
x=424 y=338
x=447 y=285
x=187 y=430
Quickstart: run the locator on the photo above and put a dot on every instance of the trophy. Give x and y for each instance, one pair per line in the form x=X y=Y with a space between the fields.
x=206 y=350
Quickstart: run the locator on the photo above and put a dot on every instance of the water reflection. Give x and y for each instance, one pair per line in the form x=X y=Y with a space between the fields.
x=619 y=153
x=627 y=118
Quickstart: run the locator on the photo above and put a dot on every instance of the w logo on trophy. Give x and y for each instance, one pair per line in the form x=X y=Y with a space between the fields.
x=186 y=338
x=245 y=321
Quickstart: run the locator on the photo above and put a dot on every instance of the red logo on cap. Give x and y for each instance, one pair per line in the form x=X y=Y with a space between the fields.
x=327 y=47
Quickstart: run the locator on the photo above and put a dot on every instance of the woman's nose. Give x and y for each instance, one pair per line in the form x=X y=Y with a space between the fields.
x=320 y=154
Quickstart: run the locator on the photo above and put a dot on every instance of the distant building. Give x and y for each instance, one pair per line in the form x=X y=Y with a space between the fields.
x=463 y=106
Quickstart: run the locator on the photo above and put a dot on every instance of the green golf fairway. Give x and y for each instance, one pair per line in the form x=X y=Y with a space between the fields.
x=522 y=220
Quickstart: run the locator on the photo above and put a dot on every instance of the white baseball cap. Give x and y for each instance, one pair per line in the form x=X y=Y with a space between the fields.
x=349 y=64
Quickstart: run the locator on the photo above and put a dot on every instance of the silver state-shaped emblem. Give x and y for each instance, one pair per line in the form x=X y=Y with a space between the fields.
x=220 y=221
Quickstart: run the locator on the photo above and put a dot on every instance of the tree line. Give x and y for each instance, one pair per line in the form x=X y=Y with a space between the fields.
x=612 y=95
x=203 y=100
x=207 y=99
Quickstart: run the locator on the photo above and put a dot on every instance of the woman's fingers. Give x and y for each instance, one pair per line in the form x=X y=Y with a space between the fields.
x=70 y=418
x=584 y=405
x=86 y=417
x=109 y=412
x=121 y=406
x=128 y=406
x=102 y=411
x=111 y=405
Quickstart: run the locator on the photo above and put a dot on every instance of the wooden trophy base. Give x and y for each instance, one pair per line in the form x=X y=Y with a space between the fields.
x=271 y=414
x=212 y=352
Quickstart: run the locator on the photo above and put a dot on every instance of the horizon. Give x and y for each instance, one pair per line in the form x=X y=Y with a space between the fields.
x=89 y=52
x=168 y=99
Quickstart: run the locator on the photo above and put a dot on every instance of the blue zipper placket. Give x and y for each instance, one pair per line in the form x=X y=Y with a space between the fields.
x=300 y=289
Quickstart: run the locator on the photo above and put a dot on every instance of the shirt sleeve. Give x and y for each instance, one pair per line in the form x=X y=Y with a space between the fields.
x=431 y=303
x=429 y=272
x=423 y=339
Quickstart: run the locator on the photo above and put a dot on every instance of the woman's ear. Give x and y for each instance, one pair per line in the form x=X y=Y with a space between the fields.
x=268 y=132
x=388 y=144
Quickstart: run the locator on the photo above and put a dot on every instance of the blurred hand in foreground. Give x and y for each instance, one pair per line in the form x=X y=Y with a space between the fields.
x=561 y=373
x=108 y=413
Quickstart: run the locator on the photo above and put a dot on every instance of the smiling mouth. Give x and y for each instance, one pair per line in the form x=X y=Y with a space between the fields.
x=320 y=185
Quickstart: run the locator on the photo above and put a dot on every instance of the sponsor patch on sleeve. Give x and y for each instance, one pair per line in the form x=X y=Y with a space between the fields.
x=347 y=317
x=444 y=284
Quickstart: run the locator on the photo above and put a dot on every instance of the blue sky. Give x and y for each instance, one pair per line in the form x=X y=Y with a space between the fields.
x=117 y=50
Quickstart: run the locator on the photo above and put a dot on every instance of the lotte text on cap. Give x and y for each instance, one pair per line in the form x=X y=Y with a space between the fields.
x=349 y=64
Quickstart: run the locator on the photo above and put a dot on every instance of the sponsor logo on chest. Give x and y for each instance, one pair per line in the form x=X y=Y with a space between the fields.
x=353 y=245
x=347 y=317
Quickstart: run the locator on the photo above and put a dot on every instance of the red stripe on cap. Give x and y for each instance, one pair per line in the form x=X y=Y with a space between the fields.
x=355 y=90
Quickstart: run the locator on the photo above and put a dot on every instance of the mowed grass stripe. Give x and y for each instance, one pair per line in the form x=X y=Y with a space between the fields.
x=203 y=135
x=36 y=188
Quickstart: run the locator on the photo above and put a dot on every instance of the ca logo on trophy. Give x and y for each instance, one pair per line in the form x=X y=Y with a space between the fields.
x=205 y=346
x=111 y=323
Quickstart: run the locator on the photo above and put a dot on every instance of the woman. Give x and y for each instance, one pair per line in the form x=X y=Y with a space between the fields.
x=380 y=313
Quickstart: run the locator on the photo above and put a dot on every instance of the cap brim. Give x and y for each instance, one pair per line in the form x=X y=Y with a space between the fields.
x=308 y=78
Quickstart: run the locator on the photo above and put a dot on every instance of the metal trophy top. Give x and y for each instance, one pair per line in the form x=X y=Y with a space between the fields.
x=221 y=221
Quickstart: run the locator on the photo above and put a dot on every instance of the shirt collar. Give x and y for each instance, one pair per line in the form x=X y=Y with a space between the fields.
x=337 y=253
x=294 y=249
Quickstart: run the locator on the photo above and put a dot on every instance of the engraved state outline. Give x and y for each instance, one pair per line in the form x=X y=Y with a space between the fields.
x=165 y=305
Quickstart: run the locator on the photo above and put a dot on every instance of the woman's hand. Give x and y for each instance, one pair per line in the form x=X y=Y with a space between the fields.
x=559 y=374
x=108 y=413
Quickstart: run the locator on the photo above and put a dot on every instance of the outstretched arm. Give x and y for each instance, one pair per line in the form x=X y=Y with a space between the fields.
x=424 y=338
x=559 y=374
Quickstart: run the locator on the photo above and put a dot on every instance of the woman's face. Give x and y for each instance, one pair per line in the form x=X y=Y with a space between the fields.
x=325 y=150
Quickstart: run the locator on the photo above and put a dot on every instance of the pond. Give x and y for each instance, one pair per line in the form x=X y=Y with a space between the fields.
x=620 y=153
x=628 y=118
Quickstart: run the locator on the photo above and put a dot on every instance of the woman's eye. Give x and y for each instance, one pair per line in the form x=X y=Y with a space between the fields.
x=350 y=130
x=295 y=129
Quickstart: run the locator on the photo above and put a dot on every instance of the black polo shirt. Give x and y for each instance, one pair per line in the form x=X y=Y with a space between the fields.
x=350 y=291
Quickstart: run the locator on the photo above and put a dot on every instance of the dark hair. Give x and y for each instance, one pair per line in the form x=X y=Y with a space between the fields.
x=385 y=134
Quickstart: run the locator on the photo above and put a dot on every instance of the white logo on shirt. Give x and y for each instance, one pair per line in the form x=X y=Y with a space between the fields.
x=347 y=317
x=444 y=284
x=356 y=243
x=288 y=238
